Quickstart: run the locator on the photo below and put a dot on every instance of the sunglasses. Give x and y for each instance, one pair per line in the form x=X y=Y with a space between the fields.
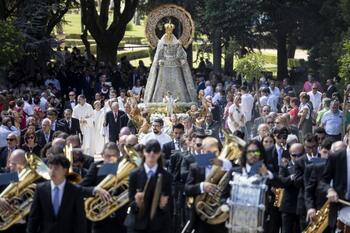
x=311 y=147
x=10 y=139
x=270 y=122
x=255 y=153
x=71 y=95
x=282 y=136
x=152 y=150
x=31 y=137
x=199 y=144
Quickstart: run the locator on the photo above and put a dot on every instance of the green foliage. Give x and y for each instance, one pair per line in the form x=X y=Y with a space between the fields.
x=344 y=62
x=251 y=66
x=11 y=44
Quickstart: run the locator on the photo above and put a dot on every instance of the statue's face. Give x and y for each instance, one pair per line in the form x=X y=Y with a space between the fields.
x=168 y=30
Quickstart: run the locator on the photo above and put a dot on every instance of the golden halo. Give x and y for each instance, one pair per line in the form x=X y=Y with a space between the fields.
x=168 y=10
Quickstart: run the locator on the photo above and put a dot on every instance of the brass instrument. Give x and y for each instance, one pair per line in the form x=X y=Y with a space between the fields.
x=279 y=192
x=71 y=176
x=20 y=195
x=117 y=185
x=321 y=220
x=208 y=206
x=156 y=196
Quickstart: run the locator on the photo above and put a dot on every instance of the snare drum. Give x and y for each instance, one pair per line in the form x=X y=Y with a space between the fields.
x=343 y=223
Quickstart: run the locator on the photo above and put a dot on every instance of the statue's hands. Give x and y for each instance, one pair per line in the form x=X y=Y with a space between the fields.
x=161 y=63
x=183 y=62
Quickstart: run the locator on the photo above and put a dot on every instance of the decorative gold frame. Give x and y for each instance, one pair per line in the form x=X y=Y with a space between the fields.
x=175 y=11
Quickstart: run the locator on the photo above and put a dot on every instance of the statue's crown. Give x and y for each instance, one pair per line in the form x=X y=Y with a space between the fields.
x=169 y=25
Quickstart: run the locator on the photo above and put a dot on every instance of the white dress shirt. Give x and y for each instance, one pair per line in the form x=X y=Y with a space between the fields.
x=161 y=138
x=60 y=187
x=148 y=169
x=316 y=100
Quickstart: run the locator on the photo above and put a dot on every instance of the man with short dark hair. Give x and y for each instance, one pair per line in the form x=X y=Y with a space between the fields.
x=302 y=174
x=157 y=133
x=332 y=121
x=58 y=205
x=176 y=143
x=72 y=125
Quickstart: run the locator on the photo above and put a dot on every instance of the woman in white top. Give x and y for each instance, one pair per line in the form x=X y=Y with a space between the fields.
x=236 y=119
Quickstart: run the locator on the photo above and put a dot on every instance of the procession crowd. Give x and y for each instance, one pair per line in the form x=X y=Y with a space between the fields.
x=300 y=133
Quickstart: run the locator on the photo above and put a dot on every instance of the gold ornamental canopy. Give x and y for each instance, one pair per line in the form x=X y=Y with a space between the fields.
x=167 y=11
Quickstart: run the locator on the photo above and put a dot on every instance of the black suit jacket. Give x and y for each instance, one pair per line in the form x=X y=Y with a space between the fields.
x=290 y=197
x=168 y=149
x=271 y=160
x=74 y=129
x=115 y=125
x=67 y=105
x=336 y=169
x=3 y=157
x=315 y=197
x=71 y=215
x=300 y=181
x=40 y=137
x=161 y=220
x=330 y=91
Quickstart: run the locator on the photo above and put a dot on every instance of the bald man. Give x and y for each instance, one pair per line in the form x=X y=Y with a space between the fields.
x=131 y=140
x=16 y=163
x=290 y=219
x=44 y=135
x=115 y=120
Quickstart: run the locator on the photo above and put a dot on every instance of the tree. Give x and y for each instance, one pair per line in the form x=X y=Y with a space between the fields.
x=344 y=62
x=280 y=19
x=11 y=44
x=251 y=66
x=107 y=36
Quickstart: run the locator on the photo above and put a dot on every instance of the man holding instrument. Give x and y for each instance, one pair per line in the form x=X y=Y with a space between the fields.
x=336 y=182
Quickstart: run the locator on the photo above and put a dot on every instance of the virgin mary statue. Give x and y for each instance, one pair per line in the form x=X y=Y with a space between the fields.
x=170 y=71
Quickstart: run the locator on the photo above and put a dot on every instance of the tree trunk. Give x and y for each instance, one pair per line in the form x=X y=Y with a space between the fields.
x=216 y=41
x=228 y=60
x=282 y=60
x=107 y=53
x=291 y=50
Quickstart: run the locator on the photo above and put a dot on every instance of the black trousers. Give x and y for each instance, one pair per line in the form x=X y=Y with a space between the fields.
x=290 y=223
x=273 y=223
x=204 y=227
x=108 y=225
x=16 y=228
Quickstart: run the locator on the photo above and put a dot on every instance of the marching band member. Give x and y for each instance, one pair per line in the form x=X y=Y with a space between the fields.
x=149 y=194
x=196 y=184
x=16 y=163
x=58 y=205
x=92 y=179
x=337 y=171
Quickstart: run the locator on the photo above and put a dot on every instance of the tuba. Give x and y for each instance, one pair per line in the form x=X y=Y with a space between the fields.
x=20 y=194
x=321 y=221
x=208 y=206
x=117 y=185
x=71 y=176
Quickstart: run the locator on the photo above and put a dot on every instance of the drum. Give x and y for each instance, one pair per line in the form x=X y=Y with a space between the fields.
x=343 y=223
x=247 y=204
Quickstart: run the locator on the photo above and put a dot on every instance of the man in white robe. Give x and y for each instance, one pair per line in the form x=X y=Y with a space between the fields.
x=84 y=112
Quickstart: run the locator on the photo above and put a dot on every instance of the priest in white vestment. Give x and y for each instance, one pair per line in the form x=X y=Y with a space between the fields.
x=99 y=139
x=84 y=112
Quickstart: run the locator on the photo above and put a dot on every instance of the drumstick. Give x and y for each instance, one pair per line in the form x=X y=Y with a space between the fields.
x=344 y=202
